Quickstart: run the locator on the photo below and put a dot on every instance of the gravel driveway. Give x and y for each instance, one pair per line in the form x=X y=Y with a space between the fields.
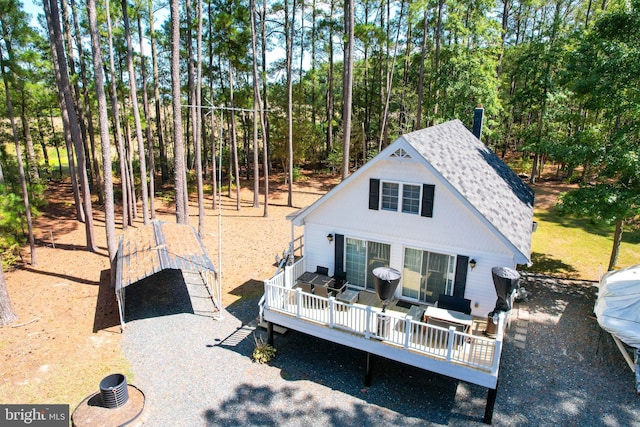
x=558 y=368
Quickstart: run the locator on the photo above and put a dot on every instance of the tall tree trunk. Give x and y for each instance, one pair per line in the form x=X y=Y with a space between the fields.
x=289 y=28
x=147 y=119
x=69 y=117
x=190 y=85
x=403 y=119
x=330 y=98
x=503 y=36
x=87 y=107
x=256 y=106
x=23 y=180
x=128 y=150
x=385 y=117
x=103 y=126
x=164 y=170
x=438 y=37
x=265 y=102
x=7 y=315
x=347 y=84
x=178 y=144
x=32 y=165
x=234 y=139
x=214 y=169
x=198 y=124
x=423 y=58
x=43 y=144
x=115 y=111
x=73 y=75
x=56 y=144
x=314 y=59
x=133 y=95
x=615 y=250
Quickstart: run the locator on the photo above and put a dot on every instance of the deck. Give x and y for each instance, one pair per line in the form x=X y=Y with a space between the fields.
x=465 y=355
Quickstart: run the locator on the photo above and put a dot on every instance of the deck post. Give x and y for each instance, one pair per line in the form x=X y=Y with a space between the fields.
x=367 y=373
x=491 y=401
x=270 y=333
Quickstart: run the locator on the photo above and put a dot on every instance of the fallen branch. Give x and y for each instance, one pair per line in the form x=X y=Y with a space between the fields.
x=25 y=323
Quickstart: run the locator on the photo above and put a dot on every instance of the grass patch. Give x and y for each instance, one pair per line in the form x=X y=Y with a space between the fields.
x=573 y=247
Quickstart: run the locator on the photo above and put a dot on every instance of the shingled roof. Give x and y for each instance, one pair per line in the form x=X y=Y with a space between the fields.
x=157 y=246
x=480 y=177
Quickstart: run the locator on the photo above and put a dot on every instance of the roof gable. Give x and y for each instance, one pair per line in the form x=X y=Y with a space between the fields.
x=480 y=177
x=471 y=171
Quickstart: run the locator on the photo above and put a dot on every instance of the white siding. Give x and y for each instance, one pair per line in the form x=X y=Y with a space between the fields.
x=454 y=229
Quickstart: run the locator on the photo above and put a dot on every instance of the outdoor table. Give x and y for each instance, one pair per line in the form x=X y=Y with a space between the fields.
x=449 y=316
x=320 y=280
x=349 y=296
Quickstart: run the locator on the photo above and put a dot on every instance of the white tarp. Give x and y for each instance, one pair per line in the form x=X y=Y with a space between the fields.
x=618 y=304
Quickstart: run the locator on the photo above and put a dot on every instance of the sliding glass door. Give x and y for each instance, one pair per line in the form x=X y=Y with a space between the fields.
x=362 y=257
x=426 y=275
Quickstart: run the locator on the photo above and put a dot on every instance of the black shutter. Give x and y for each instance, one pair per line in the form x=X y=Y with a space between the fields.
x=427 y=200
x=339 y=253
x=460 y=281
x=374 y=193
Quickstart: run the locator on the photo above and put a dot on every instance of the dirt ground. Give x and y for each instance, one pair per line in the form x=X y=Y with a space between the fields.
x=66 y=339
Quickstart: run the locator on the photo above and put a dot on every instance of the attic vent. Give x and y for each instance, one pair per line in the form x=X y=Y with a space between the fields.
x=401 y=154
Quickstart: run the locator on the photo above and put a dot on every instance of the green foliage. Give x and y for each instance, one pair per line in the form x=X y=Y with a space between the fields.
x=12 y=226
x=603 y=72
x=601 y=202
x=574 y=246
x=263 y=352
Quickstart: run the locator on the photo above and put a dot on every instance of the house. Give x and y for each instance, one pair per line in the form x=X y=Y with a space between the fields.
x=436 y=205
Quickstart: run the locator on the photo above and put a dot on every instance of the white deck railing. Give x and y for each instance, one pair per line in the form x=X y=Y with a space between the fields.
x=392 y=328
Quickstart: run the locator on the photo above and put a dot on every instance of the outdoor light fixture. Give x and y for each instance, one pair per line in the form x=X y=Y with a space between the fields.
x=472 y=264
x=330 y=237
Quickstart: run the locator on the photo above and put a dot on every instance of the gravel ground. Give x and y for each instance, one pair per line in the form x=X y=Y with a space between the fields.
x=558 y=368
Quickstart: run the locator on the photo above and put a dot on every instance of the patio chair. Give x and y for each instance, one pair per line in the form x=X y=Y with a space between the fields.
x=449 y=302
x=340 y=278
x=322 y=291
x=322 y=270
x=305 y=287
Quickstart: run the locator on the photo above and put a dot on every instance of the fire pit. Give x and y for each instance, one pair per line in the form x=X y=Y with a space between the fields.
x=114 y=390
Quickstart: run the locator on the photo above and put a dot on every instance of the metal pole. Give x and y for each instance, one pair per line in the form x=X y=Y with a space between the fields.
x=219 y=281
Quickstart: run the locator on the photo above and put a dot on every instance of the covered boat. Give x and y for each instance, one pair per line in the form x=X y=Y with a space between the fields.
x=618 y=305
x=618 y=311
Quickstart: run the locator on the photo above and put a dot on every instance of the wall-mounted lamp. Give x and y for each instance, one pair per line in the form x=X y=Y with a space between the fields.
x=472 y=264
x=330 y=237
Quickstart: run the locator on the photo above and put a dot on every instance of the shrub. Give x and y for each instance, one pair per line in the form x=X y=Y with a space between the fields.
x=263 y=353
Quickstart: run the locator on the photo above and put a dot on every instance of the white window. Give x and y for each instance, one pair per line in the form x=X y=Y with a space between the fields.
x=390 y=196
x=411 y=199
x=400 y=197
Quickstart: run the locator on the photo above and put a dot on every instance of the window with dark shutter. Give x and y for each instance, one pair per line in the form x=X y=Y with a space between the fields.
x=374 y=193
x=428 y=191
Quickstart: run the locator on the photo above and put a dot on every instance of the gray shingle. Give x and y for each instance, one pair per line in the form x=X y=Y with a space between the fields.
x=480 y=177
